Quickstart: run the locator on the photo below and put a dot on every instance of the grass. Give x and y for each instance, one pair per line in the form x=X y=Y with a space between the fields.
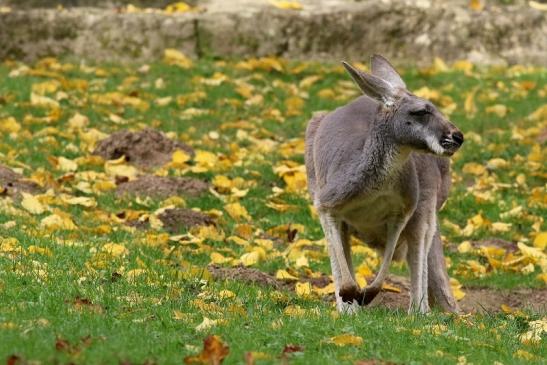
x=62 y=304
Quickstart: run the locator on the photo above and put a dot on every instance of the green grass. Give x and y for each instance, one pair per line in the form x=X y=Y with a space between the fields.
x=46 y=299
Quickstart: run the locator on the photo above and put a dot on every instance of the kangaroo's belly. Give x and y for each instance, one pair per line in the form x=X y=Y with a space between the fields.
x=368 y=217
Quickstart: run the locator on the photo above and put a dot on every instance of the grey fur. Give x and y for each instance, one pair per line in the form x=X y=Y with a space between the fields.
x=376 y=169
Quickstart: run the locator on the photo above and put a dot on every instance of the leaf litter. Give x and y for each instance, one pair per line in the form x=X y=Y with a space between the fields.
x=248 y=175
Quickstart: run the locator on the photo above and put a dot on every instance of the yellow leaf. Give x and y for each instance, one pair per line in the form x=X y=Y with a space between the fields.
x=531 y=252
x=294 y=311
x=469 y=104
x=539 y=114
x=43 y=101
x=133 y=275
x=306 y=82
x=78 y=121
x=303 y=289
x=524 y=355
x=301 y=261
x=114 y=249
x=361 y=280
x=217 y=258
x=9 y=125
x=284 y=275
x=237 y=212
x=253 y=257
x=40 y=250
x=345 y=340
x=542 y=277
x=118 y=167
x=499 y=109
x=536 y=329
x=499 y=227
x=179 y=158
x=507 y=309
x=327 y=290
x=206 y=324
x=181 y=316
x=294 y=105
x=286 y=5
x=476 y=5
x=226 y=294
x=208 y=232
x=463 y=65
x=222 y=183
x=439 y=65
x=456 y=289
x=326 y=94
x=31 y=204
x=536 y=154
x=87 y=202
x=56 y=221
x=177 y=58
x=179 y=7
x=473 y=168
x=46 y=87
x=497 y=163
x=537 y=5
x=205 y=161
x=390 y=288
x=540 y=241
x=465 y=247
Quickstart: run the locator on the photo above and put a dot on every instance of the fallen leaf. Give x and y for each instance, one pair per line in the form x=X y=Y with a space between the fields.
x=214 y=352
x=346 y=340
x=286 y=5
x=31 y=204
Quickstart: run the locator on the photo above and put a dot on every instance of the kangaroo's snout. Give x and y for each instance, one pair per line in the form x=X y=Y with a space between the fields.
x=458 y=137
x=452 y=141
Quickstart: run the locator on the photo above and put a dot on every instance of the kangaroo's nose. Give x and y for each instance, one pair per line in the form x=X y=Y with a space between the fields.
x=457 y=137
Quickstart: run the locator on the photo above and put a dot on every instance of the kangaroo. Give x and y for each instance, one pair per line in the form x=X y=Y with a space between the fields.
x=377 y=169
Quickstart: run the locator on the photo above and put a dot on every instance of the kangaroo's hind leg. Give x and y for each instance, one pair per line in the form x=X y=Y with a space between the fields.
x=420 y=234
x=440 y=292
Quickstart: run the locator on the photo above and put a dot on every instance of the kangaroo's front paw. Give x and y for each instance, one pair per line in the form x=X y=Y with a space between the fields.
x=368 y=295
x=350 y=292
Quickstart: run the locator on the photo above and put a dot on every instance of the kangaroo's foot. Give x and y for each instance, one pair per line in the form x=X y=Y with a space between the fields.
x=350 y=292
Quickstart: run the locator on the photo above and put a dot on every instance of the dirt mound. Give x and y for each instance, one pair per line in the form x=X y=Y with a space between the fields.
x=145 y=149
x=12 y=183
x=175 y=220
x=162 y=187
x=244 y=274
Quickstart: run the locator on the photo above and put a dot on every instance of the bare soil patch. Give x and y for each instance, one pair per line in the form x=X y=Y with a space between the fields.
x=162 y=187
x=178 y=219
x=145 y=149
x=245 y=274
x=12 y=183
x=476 y=300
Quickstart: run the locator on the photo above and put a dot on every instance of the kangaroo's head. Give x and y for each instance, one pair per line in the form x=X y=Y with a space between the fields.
x=415 y=122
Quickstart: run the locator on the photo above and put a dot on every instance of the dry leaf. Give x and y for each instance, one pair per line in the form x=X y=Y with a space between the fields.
x=214 y=352
x=346 y=340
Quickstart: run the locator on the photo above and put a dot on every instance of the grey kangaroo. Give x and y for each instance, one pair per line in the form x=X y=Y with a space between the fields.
x=377 y=169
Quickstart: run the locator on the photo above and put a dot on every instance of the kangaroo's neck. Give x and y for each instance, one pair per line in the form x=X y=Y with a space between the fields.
x=382 y=158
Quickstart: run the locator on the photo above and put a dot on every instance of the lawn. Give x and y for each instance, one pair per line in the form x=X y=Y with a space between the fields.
x=92 y=275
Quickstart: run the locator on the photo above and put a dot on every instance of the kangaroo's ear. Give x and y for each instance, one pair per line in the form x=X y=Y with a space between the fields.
x=382 y=68
x=371 y=85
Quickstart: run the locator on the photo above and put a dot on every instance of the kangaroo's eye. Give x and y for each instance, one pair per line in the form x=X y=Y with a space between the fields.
x=419 y=112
